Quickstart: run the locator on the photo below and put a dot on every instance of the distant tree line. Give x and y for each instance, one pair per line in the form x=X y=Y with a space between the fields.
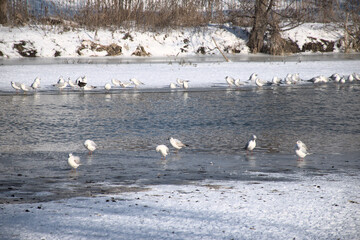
x=267 y=18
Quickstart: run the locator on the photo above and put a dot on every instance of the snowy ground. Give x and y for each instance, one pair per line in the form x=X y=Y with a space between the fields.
x=319 y=208
x=48 y=41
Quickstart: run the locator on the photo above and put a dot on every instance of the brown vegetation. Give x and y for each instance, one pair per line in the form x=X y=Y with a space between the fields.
x=268 y=18
x=25 y=49
x=140 y=52
x=112 y=49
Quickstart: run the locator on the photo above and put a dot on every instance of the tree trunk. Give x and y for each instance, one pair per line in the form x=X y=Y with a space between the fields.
x=277 y=44
x=346 y=34
x=256 y=39
x=3 y=11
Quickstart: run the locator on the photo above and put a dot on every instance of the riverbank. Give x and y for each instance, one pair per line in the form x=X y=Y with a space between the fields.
x=56 y=41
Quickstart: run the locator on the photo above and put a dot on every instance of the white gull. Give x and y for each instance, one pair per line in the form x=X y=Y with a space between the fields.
x=164 y=150
x=172 y=85
x=186 y=84
x=125 y=85
x=230 y=81
x=301 y=150
x=74 y=161
x=16 y=85
x=238 y=83
x=251 y=144
x=36 y=84
x=253 y=77
x=177 y=144
x=115 y=82
x=90 y=145
x=136 y=82
x=107 y=86
x=25 y=88
x=276 y=80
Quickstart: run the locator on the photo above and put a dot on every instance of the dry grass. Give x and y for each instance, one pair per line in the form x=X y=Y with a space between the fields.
x=155 y=15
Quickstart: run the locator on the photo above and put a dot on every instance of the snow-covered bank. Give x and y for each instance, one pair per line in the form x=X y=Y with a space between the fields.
x=45 y=41
x=318 y=208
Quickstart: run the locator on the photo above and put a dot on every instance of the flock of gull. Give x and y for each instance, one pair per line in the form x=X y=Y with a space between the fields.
x=291 y=79
x=74 y=161
x=81 y=83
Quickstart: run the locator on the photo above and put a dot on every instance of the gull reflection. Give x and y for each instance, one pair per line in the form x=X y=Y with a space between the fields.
x=73 y=174
x=185 y=96
x=301 y=163
x=107 y=97
x=163 y=163
x=251 y=159
x=89 y=159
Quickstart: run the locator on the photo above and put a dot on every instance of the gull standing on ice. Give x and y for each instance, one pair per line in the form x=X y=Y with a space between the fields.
x=183 y=83
x=90 y=145
x=164 y=150
x=136 y=82
x=88 y=87
x=82 y=82
x=260 y=83
x=253 y=77
x=336 y=77
x=25 y=88
x=61 y=80
x=230 y=81
x=238 y=82
x=251 y=144
x=172 y=85
x=295 y=78
x=125 y=85
x=319 y=79
x=115 y=82
x=288 y=79
x=61 y=84
x=177 y=144
x=356 y=76
x=301 y=150
x=276 y=80
x=74 y=161
x=16 y=86
x=72 y=84
x=350 y=78
x=107 y=86
x=36 y=84
x=180 y=82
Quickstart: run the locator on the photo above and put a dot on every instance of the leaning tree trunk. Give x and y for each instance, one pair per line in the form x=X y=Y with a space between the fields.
x=3 y=11
x=256 y=39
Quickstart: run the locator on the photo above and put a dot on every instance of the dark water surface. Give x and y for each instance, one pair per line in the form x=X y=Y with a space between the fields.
x=39 y=131
x=194 y=59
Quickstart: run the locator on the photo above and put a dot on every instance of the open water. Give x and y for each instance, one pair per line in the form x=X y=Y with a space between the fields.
x=38 y=131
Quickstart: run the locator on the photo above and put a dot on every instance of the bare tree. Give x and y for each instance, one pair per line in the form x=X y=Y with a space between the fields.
x=269 y=20
x=3 y=11
x=260 y=24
